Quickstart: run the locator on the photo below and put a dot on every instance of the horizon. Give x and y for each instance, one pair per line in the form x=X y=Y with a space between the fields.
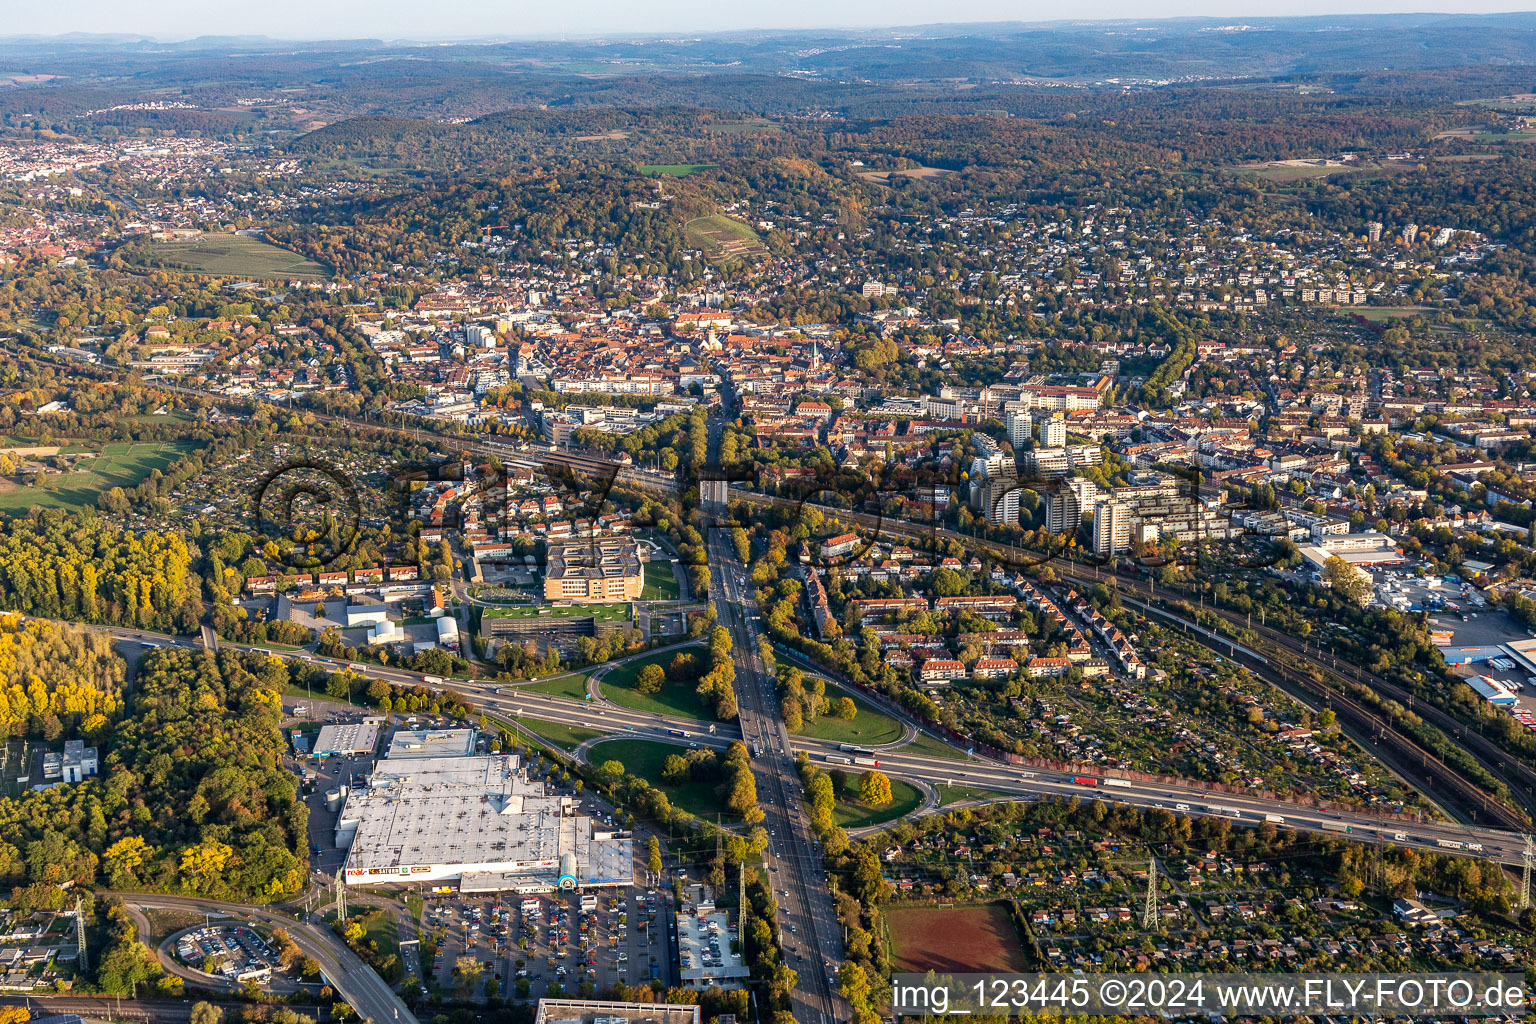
x=205 y=24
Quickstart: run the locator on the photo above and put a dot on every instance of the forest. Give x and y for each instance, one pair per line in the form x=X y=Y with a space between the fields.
x=192 y=796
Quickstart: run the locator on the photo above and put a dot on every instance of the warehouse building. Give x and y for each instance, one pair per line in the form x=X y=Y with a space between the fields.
x=348 y=739
x=475 y=819
x=412 y=743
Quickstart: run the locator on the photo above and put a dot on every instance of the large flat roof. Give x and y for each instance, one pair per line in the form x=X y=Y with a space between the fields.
x=408 y=744
x=480 y=814
x=348 y=737
x=584 y=1011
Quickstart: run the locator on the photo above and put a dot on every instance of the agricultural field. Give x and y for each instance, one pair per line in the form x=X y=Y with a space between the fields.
x=722 y=238
x=674 y=170
x=123 y=464
x=1286 y=171
x=884 y=177
x=975 y=938
x=232 y=256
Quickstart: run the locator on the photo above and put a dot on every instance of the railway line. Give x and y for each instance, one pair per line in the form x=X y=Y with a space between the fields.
x=1309 y=671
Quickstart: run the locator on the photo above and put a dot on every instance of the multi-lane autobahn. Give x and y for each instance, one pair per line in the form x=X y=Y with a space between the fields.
x=1450 y=788
x=734 y=605
x=808 y=928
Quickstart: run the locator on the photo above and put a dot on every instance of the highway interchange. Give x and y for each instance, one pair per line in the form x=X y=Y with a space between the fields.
x=509 y=701
x=808 y=927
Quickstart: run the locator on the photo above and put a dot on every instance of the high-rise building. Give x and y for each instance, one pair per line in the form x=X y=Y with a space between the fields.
x=1064 y=507
x=1063 y=512
x=1410 y=233
x=1020 y=427
x=1053 y=432
x=1002 y=499
x=1373 y=231
x=1111 y=528
x=1046 y=462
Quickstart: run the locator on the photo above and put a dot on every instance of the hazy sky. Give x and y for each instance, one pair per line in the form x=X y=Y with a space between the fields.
x=441 y=19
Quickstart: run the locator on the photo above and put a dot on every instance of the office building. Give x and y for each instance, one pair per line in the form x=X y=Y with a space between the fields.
x=586 y=570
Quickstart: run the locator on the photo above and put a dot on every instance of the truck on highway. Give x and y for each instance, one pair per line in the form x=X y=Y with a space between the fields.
x=1449 y=844
x=1275 y=819
x=1337 y=826
x=432 y=680
x=1117 y=783
x=837 y=759
x=1181 y=807
x=1085 y=780
x=676 y=732
x=867 y=762
x=1475 y=847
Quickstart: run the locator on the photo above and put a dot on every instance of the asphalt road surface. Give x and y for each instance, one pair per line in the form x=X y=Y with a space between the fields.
x=808 y=928
x=733 y=603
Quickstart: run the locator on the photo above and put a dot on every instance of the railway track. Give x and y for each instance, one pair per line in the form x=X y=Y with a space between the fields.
x=1311 y=673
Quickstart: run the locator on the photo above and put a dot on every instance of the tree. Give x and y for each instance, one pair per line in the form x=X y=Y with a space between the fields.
x=674 y=770
x=653 y=859
x=794 y=720
x=875 y=789
x=651 y=679
x=847 y=709
x=206 y=1013
x=1348 y=581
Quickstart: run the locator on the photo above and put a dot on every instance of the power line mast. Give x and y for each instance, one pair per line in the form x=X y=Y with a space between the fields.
x=741 y=902
x=1149 y=912
x=85 y=964
x=341 y=899
x=1527 y=856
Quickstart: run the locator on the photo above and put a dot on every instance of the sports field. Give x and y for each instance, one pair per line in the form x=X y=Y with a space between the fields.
x=232 y=256
x=976 y=938
x=123 y=464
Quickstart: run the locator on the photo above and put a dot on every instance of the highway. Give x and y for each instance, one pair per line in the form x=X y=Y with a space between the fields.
x=734 y=604
x=1444 y=786
x=809 y=932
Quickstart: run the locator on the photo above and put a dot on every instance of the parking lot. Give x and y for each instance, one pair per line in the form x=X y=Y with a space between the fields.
x=527 y=943
x=236 y=953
